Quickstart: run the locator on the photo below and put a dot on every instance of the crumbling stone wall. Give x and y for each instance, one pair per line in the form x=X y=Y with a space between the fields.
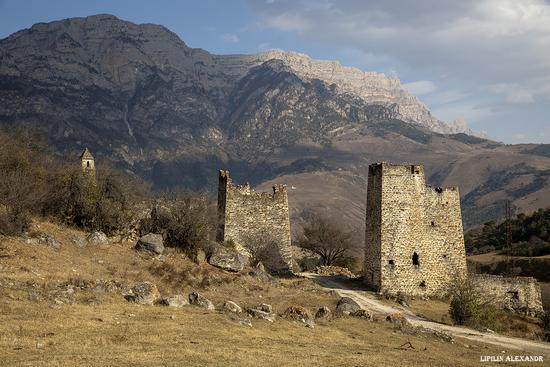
x=517 y=294
x=414 y=240
x=248 y=216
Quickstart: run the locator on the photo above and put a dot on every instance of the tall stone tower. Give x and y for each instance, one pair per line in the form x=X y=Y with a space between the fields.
x=414 y=241
x=88 y=163
x=247 y=217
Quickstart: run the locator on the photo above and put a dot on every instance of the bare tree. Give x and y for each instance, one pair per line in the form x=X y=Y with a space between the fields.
x=324 y=237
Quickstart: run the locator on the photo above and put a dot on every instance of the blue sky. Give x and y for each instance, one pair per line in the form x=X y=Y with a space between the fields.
x=485 y=61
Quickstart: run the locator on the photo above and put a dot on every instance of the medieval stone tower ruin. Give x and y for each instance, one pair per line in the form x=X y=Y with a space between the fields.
x=88 y=163
x=248 y=218
x=414 y=241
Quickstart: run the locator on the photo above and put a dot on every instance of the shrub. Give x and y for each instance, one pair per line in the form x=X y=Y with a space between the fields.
x=185 y=220
x=467 y=306
x=266 y=249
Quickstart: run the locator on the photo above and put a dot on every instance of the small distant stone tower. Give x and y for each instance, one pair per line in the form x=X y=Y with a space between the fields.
x=88 y=163
x=245 y=215
x=414 y=241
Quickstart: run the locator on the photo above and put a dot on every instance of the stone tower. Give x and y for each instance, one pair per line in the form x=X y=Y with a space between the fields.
x=414 y=241
x=88 y=163
x=246 y=217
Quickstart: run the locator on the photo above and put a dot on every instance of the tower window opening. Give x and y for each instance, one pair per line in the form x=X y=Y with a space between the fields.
x=433 y=224
x=422 y=284
x=391 y=263
x=415 y=259
x=88 y=164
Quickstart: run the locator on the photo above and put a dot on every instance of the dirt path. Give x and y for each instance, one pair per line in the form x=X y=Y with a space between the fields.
x=367 y=301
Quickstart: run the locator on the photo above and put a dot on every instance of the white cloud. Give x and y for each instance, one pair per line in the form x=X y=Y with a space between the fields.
x=420 y=87
x=231 y=37
x=466 y=45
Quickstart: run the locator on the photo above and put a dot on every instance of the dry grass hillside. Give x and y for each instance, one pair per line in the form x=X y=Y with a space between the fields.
x=65 y=307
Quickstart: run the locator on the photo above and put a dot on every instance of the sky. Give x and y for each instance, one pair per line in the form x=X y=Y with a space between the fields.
x=484 y=61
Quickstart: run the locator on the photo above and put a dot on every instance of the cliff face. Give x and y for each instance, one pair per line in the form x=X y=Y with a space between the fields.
x=139 y=96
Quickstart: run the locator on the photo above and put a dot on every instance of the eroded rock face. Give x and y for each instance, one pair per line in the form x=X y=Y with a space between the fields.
x=151 y=243
x=227 y=259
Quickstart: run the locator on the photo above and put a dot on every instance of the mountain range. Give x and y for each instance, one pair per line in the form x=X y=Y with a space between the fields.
x=138 y=96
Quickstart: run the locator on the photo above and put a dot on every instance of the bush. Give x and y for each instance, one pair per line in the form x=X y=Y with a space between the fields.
x=24 y=173
x=185 y=220
x=467 y=307
x=266 y=249
x=107 y=204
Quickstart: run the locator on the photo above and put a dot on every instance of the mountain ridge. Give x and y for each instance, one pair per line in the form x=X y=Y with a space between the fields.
x=139 y=96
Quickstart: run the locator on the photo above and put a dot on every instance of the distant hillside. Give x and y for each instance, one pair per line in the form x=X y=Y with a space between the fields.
x=137 y=95
x=530 y=236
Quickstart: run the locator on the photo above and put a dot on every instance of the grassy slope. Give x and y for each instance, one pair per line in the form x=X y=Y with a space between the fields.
x=41 y=326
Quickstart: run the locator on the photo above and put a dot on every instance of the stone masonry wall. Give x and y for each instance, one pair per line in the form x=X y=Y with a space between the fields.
x=517 y=294
x=246 y=216
x=414 y=238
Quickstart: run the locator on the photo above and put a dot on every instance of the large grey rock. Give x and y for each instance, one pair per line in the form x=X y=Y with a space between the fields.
x=227 y=259
x=347 y=306
x=152 y=243
x=145 y=293
x=98 y=238
x=199 y=300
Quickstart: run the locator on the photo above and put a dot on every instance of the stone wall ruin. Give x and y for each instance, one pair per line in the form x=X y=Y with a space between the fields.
x=248 y=218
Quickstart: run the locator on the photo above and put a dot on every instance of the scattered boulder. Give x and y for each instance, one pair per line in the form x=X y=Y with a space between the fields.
x=260 y=273
x=232 y=307
x=98 y=238
x=364 y=314
x=145 y=293
x=299 y=313
x=152 y=243
x=78 y=240
x=322 y=312
x=259 y=314
x=174 y=301
x=200 y=256
x=347 y=306
x=399 y=320
x=44 y=239
x=199 y=300
x=265 y=307
x=227 y=259
x=246 y=322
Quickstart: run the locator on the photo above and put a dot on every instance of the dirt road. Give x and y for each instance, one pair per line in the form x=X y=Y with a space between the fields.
x=366 y=300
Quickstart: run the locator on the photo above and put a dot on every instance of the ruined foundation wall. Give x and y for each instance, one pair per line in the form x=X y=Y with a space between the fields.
x=245 y=215
x=517 y=294
x=417 y=229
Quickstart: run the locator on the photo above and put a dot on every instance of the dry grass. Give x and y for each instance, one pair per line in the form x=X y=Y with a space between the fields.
x=43 y=324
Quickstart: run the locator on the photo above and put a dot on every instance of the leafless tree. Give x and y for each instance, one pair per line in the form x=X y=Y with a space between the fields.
x=326 y=238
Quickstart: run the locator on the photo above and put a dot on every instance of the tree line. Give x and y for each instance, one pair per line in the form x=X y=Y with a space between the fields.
x=530 y=235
